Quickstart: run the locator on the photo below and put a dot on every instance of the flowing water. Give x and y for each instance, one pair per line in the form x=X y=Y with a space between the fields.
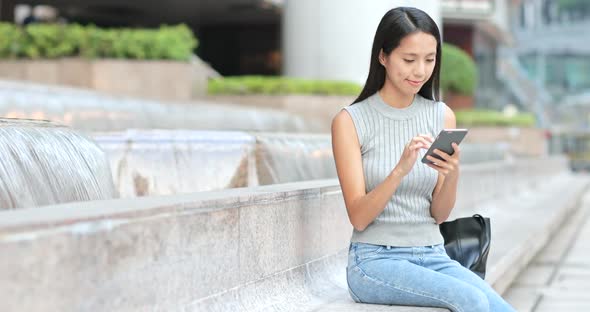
x=89 y=111
x=42 y=163
x=155 y=148
x=166 y=162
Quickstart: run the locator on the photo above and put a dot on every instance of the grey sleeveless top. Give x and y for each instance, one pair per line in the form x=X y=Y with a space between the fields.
x=383 y=131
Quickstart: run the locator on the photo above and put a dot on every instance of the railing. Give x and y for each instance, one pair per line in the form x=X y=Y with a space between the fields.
x=511 y=72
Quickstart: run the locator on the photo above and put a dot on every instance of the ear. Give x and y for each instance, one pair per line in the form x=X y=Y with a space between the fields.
x=382 y=57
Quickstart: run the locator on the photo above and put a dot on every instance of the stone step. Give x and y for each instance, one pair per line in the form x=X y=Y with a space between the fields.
x=271 y=248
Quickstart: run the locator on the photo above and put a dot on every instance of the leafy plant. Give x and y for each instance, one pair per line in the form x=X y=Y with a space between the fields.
x=468 y=118
x=10 y=41
x=37 y=41
x=573 y=5
x=46 y=41
x=458 y=71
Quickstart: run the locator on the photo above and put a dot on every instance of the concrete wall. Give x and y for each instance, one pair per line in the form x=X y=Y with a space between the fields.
x=163 y=253
x=332 y=39
x=483 y=182
x=178 y=252
x=527 y=142
x=164 y=80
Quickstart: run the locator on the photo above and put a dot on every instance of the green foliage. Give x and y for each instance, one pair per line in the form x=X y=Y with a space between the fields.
x=571 y=5
x=53 y=41
x=470 y=118
x=273 y=85
x=11 y=41
x=46 y=41
x=458 y=71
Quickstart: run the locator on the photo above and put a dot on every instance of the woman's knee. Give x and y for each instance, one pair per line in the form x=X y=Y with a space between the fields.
x=475 y=300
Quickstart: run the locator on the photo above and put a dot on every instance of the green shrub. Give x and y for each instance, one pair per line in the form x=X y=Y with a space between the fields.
x=458 y=71
x=53 y=41
x=46 y=41
x=470 y=118
x=273 y=85
x=10 y=41
x=573 y=5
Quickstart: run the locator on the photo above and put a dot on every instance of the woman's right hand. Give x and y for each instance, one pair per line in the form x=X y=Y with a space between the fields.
x=410 y=153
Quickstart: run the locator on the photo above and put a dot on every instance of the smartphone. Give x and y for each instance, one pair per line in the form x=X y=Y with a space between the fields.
x=444 y=142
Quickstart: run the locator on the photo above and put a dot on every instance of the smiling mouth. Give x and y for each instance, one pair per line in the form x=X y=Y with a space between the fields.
x=414 y=82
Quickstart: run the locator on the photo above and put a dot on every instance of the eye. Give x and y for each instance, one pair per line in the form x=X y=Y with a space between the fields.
x=430 y=61
x=408 y=61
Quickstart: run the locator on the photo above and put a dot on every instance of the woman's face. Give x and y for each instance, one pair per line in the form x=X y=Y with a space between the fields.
x=410 y=65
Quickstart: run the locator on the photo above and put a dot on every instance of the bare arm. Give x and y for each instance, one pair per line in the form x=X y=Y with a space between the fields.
x=363 y=208
x=445 y=192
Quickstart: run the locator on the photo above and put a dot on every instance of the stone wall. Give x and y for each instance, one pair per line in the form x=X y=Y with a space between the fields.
x=163 y=80
x=177 y=252
x=526 y=142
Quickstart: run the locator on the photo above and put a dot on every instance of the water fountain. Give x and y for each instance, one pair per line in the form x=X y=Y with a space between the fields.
x=293 y=157
x=157 y=148
x=165 y=162
x=88 y=111
x=43 y=163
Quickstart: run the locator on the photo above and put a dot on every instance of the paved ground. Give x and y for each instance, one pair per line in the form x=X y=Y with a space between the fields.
x=558 y=279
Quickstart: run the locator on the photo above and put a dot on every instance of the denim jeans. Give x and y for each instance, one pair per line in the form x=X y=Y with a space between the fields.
x=417 y=276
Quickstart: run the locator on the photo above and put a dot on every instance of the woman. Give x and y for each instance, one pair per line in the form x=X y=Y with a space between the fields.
x=394 y=202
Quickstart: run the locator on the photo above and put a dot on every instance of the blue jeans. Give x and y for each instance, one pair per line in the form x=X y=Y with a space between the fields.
x=417 y=276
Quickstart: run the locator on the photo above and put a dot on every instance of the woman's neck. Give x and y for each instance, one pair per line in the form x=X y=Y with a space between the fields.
x=394 y=98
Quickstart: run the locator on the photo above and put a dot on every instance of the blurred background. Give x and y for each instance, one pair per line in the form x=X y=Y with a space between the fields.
x=162 y=86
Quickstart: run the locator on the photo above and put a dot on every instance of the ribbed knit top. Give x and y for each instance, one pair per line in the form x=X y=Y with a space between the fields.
x=383 y=131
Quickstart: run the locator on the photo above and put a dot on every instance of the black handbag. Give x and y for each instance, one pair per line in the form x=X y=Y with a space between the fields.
x=467 y=240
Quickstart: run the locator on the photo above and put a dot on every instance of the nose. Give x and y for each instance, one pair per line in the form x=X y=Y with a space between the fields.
x=419 y=70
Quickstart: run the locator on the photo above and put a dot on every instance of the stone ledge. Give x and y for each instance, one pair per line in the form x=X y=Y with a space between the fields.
x=173 y=252
x=144 y=79
x=321 y=285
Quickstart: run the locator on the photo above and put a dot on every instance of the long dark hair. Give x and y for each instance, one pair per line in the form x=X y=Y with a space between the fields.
x=394 y=26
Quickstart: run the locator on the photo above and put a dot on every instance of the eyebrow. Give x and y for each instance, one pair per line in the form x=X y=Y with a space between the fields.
x=414 y=54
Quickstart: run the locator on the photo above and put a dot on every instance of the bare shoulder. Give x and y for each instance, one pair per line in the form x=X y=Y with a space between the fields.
x=450 y=119
x=344 y=131
x=342 y=122
x=347 y=156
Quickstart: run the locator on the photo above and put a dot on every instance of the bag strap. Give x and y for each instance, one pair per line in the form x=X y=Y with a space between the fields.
x=482 y=221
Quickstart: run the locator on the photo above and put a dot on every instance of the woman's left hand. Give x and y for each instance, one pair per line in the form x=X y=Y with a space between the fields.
x=449 y=165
